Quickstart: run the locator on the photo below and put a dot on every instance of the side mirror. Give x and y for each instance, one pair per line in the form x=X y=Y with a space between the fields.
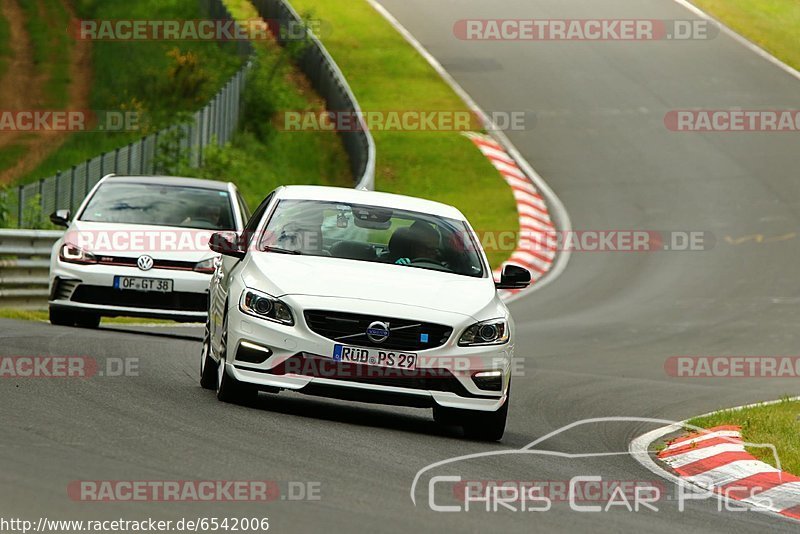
x=514 y=277
x=60 y=218
x=226 y=243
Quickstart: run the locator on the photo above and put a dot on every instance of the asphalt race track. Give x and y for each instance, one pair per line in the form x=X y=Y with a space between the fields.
x=594 y=342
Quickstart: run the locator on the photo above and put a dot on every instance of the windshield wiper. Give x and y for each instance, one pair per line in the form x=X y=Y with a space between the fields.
x=267 y=248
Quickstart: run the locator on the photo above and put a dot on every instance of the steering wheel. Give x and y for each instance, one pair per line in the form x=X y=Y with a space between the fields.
x=202 y=223
x=426 y=260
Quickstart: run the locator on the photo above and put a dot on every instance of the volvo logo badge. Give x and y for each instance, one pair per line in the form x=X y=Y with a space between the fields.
x=144 y=263
x=378 y=331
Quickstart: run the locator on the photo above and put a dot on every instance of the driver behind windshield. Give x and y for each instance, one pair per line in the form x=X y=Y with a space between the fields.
x=420 y=240
x=206 y=214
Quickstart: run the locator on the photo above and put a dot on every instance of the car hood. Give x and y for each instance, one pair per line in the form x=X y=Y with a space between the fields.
x=134 y=240
x=283 y=274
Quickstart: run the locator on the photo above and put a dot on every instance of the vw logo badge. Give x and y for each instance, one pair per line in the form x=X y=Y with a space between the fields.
x=378 y=331
x=144 y=263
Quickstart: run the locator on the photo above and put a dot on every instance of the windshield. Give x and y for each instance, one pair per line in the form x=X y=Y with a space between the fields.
x=161 y=205
x=375 y=234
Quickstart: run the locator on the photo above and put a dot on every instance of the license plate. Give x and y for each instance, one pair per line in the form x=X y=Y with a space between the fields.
x=135 y=283
x=376 y=357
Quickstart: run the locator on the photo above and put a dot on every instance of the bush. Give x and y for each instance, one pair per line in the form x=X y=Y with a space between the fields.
x=186 y=79
x=33 y=216
x=267 y=91
x=5 y=210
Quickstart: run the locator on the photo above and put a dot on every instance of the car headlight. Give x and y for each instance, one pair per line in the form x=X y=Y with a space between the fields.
x=491 y=332
x=205 y=266
x=265 y=306
x=74 y=254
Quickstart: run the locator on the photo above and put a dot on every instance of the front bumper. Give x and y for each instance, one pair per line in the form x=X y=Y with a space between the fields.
x=90 y=288
x=444 y=375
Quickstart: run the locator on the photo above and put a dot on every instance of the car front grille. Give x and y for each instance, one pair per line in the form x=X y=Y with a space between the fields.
x=351 y=329
x=157 y=264
x=109 y=296
x=306 y=364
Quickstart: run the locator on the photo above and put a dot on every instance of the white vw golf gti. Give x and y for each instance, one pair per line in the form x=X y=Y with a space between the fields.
x=138 y=246
x=362 y=296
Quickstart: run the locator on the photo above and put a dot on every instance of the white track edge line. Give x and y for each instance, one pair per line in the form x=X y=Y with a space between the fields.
x=741 y=39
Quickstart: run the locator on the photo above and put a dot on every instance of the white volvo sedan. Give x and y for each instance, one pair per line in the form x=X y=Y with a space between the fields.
x=362 y=296
x=138 y=247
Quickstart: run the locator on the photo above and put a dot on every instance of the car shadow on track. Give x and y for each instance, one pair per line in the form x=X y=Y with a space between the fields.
x=370 y=415
x=365 y=415
x=169 y=334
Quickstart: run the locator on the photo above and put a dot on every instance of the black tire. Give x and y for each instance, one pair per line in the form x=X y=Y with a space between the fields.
x=208 y=367
x=61 y=317
x=485 y=426
x=481 y=426
x=87 y=320
x=446 y=416
x=228 y=388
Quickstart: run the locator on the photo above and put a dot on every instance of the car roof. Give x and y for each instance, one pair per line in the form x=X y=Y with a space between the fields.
x=170 y=180
x=368 y=198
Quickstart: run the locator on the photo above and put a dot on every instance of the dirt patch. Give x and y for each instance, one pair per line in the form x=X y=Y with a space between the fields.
x=21 y=89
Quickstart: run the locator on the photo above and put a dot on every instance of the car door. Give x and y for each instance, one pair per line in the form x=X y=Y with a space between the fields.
x=220 y=281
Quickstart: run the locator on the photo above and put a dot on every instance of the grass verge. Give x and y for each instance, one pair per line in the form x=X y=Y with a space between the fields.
x=778 y=424
x=51 y=49
x=41 y=315
x=157 y=79
x=772 y=24
x=141 y=76
x=262 y=157
x=5 y=49
x=387 y=74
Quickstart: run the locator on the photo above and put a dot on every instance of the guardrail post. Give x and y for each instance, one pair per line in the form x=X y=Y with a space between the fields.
x=155 y=153
x=57 y=190
x=86 y=177
x=72 y=189
x=20 y=205
x=142 y=148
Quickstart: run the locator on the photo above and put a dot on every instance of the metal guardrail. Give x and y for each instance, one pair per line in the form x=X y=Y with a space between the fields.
x=329 y=82
x=24 y=266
